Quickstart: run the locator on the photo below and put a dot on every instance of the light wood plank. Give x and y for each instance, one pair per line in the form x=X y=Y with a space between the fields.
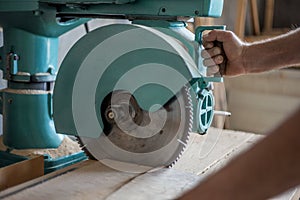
x=255 y=17
x=21 y=172
x=269 y=14
x=89 y=182
x=241 y=18
x=96 y=181
x=209 y=150
x=161 y=184
x=19 y=188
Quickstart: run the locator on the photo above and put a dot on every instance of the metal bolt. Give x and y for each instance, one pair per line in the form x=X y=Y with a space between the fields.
x=16 y=57
x=10 y=101
x=37 y=13
x=111 y=115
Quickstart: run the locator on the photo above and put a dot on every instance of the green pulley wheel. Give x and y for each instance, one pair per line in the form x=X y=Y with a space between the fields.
x=205 y=110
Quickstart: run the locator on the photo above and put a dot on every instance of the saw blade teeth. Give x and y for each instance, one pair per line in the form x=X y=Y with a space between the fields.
x=190 y=124
x=181 y=142
x=182 y=137
x=84 y=149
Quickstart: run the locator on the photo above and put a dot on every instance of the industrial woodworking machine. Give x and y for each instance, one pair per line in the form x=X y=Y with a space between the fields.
x=130 y=93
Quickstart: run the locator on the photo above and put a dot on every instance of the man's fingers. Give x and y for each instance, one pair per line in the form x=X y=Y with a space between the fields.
x=208 y=45
x=217 y=60
x=219 y=35
x=212 y=70
x=211 y=52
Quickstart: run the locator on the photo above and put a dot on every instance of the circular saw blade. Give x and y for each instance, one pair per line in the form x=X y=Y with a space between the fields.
x=144 y=141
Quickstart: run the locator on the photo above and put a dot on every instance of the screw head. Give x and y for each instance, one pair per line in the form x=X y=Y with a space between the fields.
x=111 y=114
x=10 y=101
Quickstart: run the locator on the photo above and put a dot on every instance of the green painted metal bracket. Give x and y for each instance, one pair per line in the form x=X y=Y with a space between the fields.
x=142 y=8
x=35 y=17
x=53 y=164
x=200 y=29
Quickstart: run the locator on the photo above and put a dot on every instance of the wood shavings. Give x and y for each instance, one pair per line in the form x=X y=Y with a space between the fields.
x=67 y=147
x=14 y=91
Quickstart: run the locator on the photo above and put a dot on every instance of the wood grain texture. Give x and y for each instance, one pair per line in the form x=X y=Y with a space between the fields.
x=21 y=172
x=255 y=17
x=206 y=152
x=269 y=15
x=161 y=184
x=241 y=18
x=96 y=181
x=92 y=180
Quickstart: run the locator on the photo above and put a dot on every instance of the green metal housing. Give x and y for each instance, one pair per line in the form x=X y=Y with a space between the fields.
x=143 y=62
x=27 y=120
x=29 y=55
x=127 y=8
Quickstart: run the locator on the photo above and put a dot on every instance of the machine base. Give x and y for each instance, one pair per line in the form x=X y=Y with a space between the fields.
x=50 y=164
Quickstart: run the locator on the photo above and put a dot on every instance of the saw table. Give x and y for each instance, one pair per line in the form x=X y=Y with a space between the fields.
x=93 y=180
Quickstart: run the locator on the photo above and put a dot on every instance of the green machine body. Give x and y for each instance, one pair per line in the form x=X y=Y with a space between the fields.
x=29 y=59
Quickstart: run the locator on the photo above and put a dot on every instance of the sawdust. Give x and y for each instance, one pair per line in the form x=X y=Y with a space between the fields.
x=67 y=147
x=19 y=91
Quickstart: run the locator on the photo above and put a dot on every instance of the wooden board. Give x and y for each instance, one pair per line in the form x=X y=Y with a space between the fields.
x=269 y=14
x=208 y=151
x=21 y=172
x=255 y=17
x=241 y=18
x=98 y=181
x=92 y=180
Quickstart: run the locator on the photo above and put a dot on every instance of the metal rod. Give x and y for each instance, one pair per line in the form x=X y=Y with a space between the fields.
x=224 y=113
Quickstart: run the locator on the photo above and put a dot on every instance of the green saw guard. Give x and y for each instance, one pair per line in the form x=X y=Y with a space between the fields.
x=149 y=64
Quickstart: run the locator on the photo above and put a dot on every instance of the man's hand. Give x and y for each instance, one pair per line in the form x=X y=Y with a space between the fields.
x=234 y=50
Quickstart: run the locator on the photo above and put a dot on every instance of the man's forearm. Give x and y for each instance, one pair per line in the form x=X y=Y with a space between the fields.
x=279 y=52
x=267 y=169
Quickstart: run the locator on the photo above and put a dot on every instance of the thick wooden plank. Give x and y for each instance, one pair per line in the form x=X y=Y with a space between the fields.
x=19 y=188
x=93 y=180
x=160 y=184
x=21 y=172
x=98 y=181
x=89 y=182
x=204 y=152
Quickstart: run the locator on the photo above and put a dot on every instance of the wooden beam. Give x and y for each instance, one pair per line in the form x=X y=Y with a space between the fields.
x=241 y=18
x=255 y=17
x=21 y=172
x=269 y=14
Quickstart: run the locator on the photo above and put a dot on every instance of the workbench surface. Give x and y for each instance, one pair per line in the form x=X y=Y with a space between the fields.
x=93 y=180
